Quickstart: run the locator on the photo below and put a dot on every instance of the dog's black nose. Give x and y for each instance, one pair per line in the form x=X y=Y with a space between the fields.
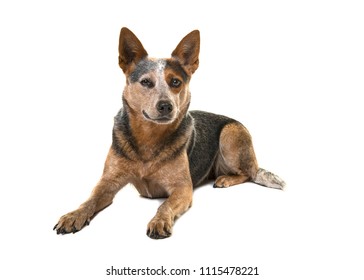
x=164 y=107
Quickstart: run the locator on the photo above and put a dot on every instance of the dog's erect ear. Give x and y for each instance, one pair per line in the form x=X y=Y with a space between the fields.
x=131 y=49
x=188 y=50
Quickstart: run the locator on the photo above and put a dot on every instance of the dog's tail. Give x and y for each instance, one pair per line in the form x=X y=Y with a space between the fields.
x=268 y=179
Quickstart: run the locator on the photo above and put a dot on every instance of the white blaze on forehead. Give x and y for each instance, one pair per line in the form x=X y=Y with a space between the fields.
x=157 y=66
x=161 y=64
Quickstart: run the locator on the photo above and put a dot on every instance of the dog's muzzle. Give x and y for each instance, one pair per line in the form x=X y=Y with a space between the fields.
x=164 y=110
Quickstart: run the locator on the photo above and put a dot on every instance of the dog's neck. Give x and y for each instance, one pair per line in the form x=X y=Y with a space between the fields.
x=148 y=139
x=150 y=134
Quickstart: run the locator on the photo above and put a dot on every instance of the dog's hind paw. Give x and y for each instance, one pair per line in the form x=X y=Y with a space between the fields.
x=225 y=181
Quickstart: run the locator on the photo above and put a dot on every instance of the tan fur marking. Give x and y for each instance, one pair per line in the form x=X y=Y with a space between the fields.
x=169 y=74
x=236 y=162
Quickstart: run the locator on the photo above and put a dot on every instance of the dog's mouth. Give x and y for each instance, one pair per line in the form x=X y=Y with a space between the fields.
x=162 y=119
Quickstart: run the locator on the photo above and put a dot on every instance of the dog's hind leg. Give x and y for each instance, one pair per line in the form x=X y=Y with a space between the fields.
x=235 y=162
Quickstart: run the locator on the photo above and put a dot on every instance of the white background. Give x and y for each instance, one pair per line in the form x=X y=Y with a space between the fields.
x=291 y=71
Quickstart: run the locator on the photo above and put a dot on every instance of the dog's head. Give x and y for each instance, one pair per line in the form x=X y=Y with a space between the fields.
x=157 y=89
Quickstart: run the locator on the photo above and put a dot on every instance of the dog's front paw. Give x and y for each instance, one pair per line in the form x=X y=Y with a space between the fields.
x=73 y=221
x=160 y=227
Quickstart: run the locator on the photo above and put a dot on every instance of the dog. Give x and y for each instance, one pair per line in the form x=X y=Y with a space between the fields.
x=163 y=149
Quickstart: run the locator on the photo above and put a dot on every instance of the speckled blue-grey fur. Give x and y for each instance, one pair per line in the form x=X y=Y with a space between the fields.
x=147 y=65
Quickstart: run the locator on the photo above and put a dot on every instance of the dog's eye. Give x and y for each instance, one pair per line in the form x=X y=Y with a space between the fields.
x=147 y=83
x=175 y=83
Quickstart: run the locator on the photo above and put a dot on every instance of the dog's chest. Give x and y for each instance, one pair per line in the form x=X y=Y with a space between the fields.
x=146 y=178
x=149 y=188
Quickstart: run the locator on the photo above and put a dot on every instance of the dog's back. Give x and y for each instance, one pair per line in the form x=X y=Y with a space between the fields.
x=204 y=144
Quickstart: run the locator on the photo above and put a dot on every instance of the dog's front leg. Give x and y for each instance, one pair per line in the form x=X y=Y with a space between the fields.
x=175 y=205
x=112 y=180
